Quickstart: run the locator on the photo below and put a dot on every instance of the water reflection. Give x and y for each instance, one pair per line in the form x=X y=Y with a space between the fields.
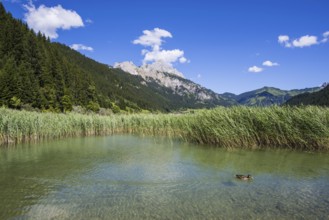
x=128 y=177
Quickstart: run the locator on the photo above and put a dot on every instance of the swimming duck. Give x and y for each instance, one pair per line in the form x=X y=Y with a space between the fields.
x=243 y=177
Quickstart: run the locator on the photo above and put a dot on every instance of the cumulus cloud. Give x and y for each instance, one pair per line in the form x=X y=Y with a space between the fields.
x=304 y=41
x=325 y=37
x=154 y=39
x=267 y=63
x=270 y=63
x=183 y=60
x=81 y=47
x=48 y=20
x=255 y=69
x=284 y=39
x=166 y=56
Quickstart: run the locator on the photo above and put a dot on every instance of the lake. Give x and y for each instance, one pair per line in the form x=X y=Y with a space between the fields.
x=130 y=177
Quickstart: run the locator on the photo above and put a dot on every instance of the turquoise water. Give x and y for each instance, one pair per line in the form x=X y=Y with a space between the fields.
x=129 y=177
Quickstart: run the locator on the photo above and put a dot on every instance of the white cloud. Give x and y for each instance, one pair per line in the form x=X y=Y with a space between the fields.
x=154 y=39
x=305 y=41
x=199 y=76
x=48 y=20
x=167 y=56
x=326 y=34
x=183 y=60
x=255 y=69
x=325 y=37
x=270 y=63
x=81 y=47
x=284 y=39
x=89 y=21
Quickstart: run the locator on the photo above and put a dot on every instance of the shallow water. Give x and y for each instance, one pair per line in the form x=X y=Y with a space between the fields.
x=128 y=177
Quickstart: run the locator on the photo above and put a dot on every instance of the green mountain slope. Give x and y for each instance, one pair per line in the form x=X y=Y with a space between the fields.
x=151 y=92
x=267 y=96
x=51 y=76
x=320 y=98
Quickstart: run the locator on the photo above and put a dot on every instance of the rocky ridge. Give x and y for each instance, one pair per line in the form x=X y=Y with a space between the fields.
x=167 y=76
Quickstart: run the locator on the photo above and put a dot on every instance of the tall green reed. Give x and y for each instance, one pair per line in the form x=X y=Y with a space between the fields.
x=305 y=128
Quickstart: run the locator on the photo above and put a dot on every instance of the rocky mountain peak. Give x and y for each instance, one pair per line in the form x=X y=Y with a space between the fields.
x=167 y=76
x=161 y=67
x=148 y=69
x=128 y=67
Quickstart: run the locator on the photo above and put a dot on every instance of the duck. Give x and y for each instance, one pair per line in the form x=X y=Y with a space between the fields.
x=244 y=177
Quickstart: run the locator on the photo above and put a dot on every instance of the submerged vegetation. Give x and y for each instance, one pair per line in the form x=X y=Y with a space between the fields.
x=304 y=128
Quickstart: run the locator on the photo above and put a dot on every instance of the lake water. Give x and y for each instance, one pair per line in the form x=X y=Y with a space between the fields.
x=129 y=177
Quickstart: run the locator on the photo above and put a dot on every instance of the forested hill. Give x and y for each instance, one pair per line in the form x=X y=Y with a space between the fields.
x=33 y=72
x=320 y=98
x=267 y=96
x=37 y=73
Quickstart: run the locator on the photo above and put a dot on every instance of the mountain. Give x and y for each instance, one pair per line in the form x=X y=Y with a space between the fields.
x=267 y=96
x=164 y=76
x=36 y=73
x=320 y=98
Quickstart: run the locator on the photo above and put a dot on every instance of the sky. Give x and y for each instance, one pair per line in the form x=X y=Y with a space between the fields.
x=224 y=45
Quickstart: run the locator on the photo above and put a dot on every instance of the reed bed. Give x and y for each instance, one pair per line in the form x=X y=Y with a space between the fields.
x=305 y=128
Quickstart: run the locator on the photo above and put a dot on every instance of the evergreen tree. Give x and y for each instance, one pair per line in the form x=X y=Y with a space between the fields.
x=66 y=103
x=8 y=81
x=53 y=77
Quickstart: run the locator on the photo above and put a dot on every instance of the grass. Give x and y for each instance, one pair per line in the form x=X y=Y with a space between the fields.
x=304 y=128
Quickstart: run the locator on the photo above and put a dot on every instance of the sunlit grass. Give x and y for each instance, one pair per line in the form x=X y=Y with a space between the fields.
x=305 y=128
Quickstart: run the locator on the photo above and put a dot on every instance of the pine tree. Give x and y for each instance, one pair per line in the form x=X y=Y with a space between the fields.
x=66 y=103
x=9 y=85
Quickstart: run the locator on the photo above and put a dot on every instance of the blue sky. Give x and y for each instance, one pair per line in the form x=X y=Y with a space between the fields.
x=226 y=43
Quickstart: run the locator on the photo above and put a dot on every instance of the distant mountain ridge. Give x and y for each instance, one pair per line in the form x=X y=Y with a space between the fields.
x=320 y=98
x=267 y=96
x=171 y=79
